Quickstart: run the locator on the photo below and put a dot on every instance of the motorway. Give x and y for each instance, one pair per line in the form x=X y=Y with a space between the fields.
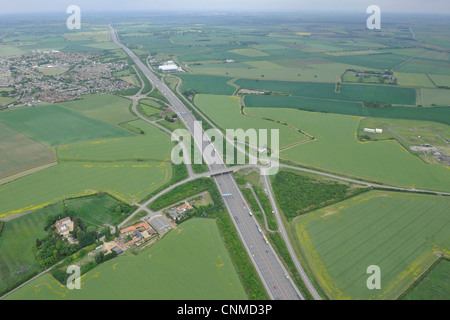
x=273 y=274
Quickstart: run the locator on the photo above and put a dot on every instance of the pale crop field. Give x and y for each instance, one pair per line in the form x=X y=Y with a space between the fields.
x=154 y=145
x=129 y=181
x=19 y=153
x=106 y=107
x=438 y=97
x=398 y=232
x=55 y=125
x=224 y=111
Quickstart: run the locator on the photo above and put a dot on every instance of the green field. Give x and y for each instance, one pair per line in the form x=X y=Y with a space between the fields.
x=338 y=149
x=397 y=232
x=348 y=92
x=6 y=50
x=434 y=285
x=375 y=61
x=414 y=80
x=55 y=125
x=437 y=114
x=187 y=264
x=225 y=113
x=426 y=66
x=19 y=153
x=154 y=145
x=250 y=52
x=17 y=239
x=408 y=133
x=282 y=70
x=129 y=181
x=5 y=101
x=206 y=84
x=441 y=80
x=438 y=97
x=96 y=210
x=106 y=107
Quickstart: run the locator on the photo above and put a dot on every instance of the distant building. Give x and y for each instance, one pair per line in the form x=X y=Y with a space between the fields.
x=169 y=66
x=373 y=130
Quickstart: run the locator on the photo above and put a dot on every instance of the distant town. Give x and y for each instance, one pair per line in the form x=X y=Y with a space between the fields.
x=53 y=76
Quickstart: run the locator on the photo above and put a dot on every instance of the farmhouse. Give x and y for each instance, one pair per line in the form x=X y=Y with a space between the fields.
x=134 y=235
x=184 y=207
x=64 y=226
x=177 y=212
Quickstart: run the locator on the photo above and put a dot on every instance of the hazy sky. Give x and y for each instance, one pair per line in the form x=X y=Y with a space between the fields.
x=419 y=6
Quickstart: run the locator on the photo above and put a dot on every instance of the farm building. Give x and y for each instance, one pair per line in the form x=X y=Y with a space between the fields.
x=64 y=226
x=134 y=235
x=373 y=130
x=169 y=66
x=159 y=223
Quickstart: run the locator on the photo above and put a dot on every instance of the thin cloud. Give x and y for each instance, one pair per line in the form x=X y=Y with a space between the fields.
x=30 y=6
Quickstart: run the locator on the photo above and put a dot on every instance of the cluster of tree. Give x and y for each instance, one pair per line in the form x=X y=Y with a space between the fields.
x=376 y=105
x=189 y=93
x=1 y=227
x=185 y=191
x=147 y=84
x=170 y=118
x=192 y=188
x=365 y=137
x=54 y=247
x=128 y=92
x=265 y=203
x=122 y=210
x=297 y=194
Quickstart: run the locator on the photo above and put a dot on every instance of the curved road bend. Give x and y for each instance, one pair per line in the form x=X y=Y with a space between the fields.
x=278 y=285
